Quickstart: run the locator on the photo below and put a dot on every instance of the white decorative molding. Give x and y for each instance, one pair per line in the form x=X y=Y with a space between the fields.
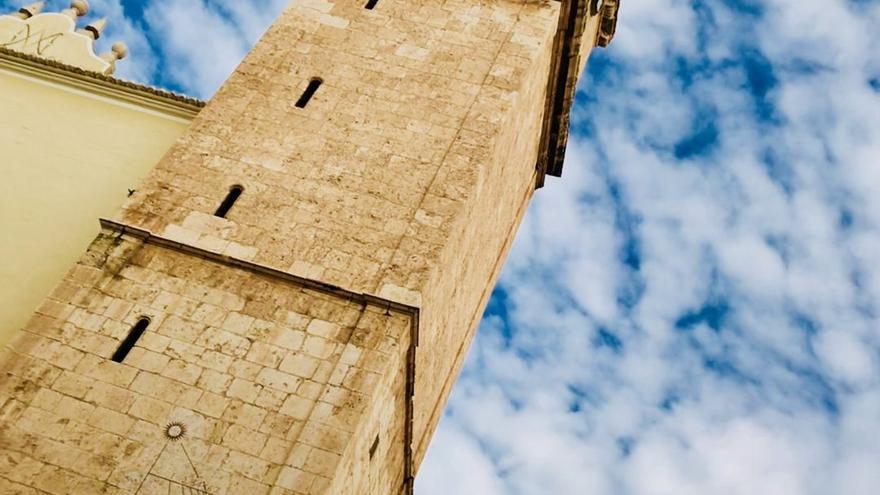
x=53 y=36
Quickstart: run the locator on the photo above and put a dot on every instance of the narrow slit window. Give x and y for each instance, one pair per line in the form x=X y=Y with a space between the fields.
x=371 y=4
x=231 y=198
x=374 y=447
x=128 y=344
x=307 y=95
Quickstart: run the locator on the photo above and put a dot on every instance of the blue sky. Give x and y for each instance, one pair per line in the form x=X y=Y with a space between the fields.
x=693 y=309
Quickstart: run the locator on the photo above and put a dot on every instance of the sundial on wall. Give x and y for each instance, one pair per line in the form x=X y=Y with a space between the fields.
x=174 y=471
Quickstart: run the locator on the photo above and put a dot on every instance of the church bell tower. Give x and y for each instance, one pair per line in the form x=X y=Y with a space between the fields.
x=284 y=303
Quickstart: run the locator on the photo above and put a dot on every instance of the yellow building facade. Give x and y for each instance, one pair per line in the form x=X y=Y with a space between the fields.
x=73 y=142
x=282 y=304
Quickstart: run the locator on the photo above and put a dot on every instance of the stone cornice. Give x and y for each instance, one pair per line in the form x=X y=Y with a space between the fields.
x=412 y=312
x=136 y=94
x=564 y=73
x=608 y=22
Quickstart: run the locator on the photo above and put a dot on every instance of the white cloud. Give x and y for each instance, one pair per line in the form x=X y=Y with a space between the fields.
x=200 y=46
x=202 y=41
x=694 y=325
x=748 y=357
x=470 y=471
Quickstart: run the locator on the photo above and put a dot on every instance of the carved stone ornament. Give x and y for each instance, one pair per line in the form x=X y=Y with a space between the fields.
x=608 y=22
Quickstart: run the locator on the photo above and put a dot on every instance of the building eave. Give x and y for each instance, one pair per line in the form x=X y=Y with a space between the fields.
x=565 y=70
x=140 y=95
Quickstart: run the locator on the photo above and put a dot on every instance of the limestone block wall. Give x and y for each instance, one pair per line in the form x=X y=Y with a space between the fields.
x=267 y=378
x=365 y=183
x=403 y=177
x=501 y=180
x=401 y=180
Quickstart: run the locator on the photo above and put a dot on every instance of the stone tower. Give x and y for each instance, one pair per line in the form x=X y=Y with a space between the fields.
x=283 y=305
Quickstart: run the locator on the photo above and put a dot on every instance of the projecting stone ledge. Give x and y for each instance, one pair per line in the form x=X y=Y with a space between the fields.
x=583 y=24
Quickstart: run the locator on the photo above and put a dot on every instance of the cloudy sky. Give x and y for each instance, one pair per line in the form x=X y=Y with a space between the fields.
x=694 y=308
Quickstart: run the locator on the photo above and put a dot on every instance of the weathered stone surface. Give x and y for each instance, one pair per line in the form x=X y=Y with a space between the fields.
x=280 y=336
x=245 y=422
